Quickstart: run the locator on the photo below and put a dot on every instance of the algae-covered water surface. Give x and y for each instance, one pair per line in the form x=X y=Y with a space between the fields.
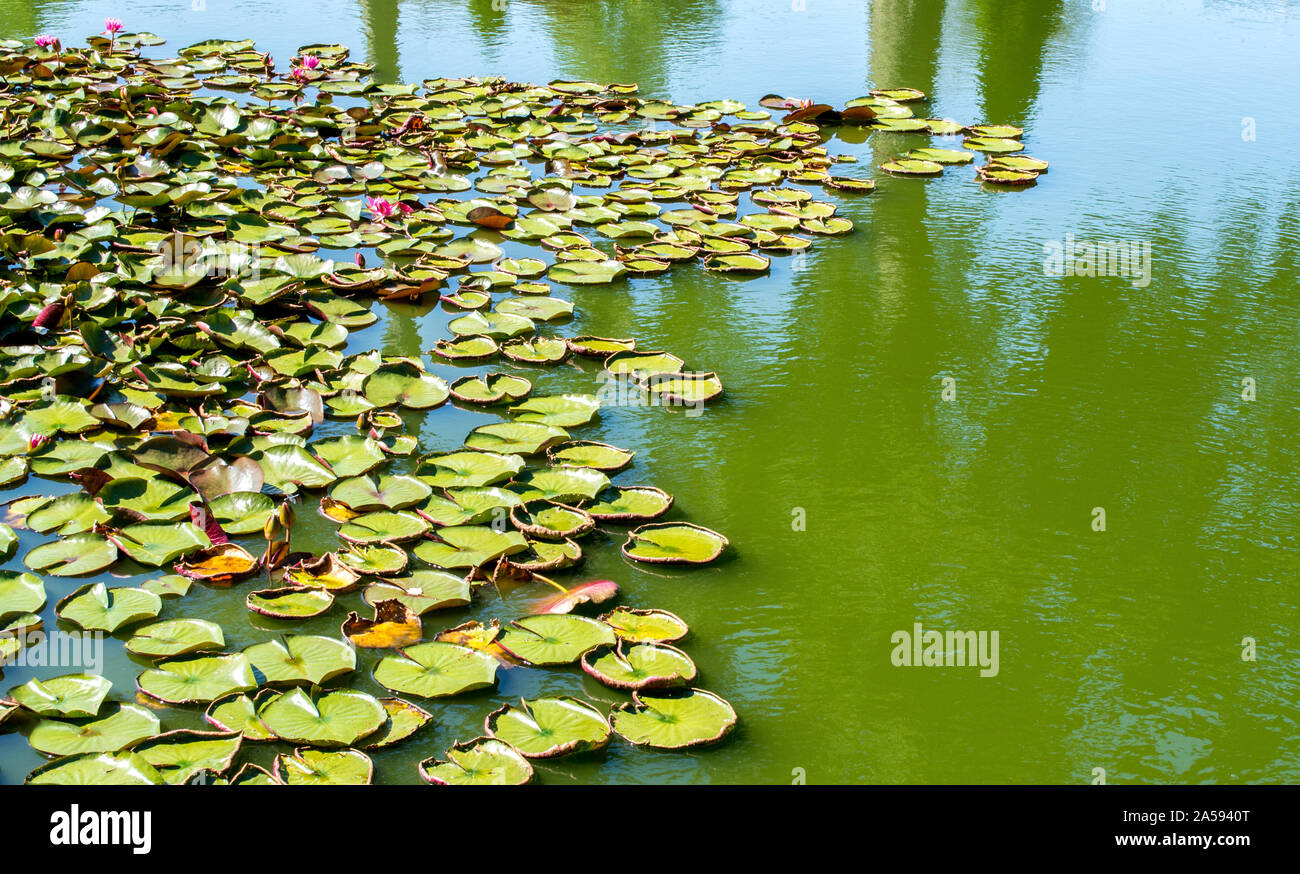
x=631 y=392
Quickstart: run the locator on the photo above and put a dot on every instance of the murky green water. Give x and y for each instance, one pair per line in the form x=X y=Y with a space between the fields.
x=1168 y=123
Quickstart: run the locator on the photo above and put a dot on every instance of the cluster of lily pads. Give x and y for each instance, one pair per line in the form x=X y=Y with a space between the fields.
x=173 y=333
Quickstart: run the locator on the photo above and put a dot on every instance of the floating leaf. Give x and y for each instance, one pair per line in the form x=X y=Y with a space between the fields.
x=436 y=670
x=301 y=659
x=645 y=626
x=395 y=625
x=126 y=726
x=71 y=696
x=290 y=603
x=198 y=679
x=98 y=608
x=97 y=769
x=674 y=543
x=336 y=718
x=637 y=666
x=480 y=762
x=554 y=639
x=548 y=727
x=176 y=637
x=673 y=720
x=308 y=767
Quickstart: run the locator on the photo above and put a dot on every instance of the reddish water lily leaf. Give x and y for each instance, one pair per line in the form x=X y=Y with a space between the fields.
x=222 y=563
x=594 y=592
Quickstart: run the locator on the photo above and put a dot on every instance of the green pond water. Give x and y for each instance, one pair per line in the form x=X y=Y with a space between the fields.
x=859 y=498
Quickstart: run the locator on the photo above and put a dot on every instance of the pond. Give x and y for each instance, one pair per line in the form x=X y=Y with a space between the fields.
x=927 y=421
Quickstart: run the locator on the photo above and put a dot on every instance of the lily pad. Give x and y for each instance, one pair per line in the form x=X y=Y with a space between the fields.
x=674 y=543
x=480 y=762
x=554 y=639
x=436 y=670
x=645 y=626
x=290 y=603
x=548 y=727
x=337 y=718
x=307 y=767
x=123 y=728
x=176 y=637
x=637 y=666
x=98 y=608
x=71 y=696
x=198 y=679
x=673 y=720
x=301 y=659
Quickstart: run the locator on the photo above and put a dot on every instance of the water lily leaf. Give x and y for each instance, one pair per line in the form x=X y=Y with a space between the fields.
x=307 y=767
x=404 y=720
x=242 y=512
x=96 y=607
x=480 y=762
x=326 y=572
x=674 y=543
x=222 y=563
x=673 y=720
x=491 y=388
x=558 y=639
x=548 y=727
x=287 y=467
x=544 y=520
x=684 y=388
x=467 y=546
x=637 y=666
x=301 y=659
x=238 y=713
x=645 y=626
x=364 y=494
x=147 y=500
x=461 y=469
x=589 y=453
x=630 y=504
x=72 y=513
x=96 y=769
x=290 y=603
x=168 y=586
x=219 y=479
x=912 y=167
x=198 y=679
x=323 y=719
x=71 y=696
x=594 y=592
x=562 y=411
x=643 y=364
x=586 y=272
x=994 y=145
x=599 y=347
x=536 y=350
x=406 y=385
x=350 y=455
x=497 y=325
x=59 y=416
x=126 y=726
x=565 y=485
x=383 y=528
x=176 y=637
x=73 y=556
x=395 y=625
x=942 y=156
x=20 y=593
x=377 y=559
x=423 y=591
x=180 y=755
x=436 y=670
x=158 y=543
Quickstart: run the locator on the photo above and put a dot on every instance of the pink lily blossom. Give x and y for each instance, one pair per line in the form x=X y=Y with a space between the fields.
x=112 y=26
x=379 y=207
x=311 y=62
x=46 y=41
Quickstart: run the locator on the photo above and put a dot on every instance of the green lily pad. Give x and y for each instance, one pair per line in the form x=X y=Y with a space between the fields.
x=126 y=726
x=674 y=543
x=637 y=666
x=97 y=769
x=96 y=607
x=73 y=556
x=19 y=594
x=383 y=528
x=645 y=626
x=468 y=469
x=589 y=453
x=630 y=504
x=467 y=546
x=176 y=637
x=673 y=720
x=337 y=718
x=290 y=603
x=301 y=659
x=198 y=679
x=436 y=670
x=181 y=755
x=71 y=696
x=363 y=494
x=480 y=762
x=404 y=720
x=307 y=767
x=548 y=727
x=238 y=713
x=558 y=639
x=423 y=591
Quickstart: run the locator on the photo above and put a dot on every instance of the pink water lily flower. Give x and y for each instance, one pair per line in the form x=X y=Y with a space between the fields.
x=112 y=26
x=311 y=62
x=46 y=41
x=379 y=207
x=299 y=75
